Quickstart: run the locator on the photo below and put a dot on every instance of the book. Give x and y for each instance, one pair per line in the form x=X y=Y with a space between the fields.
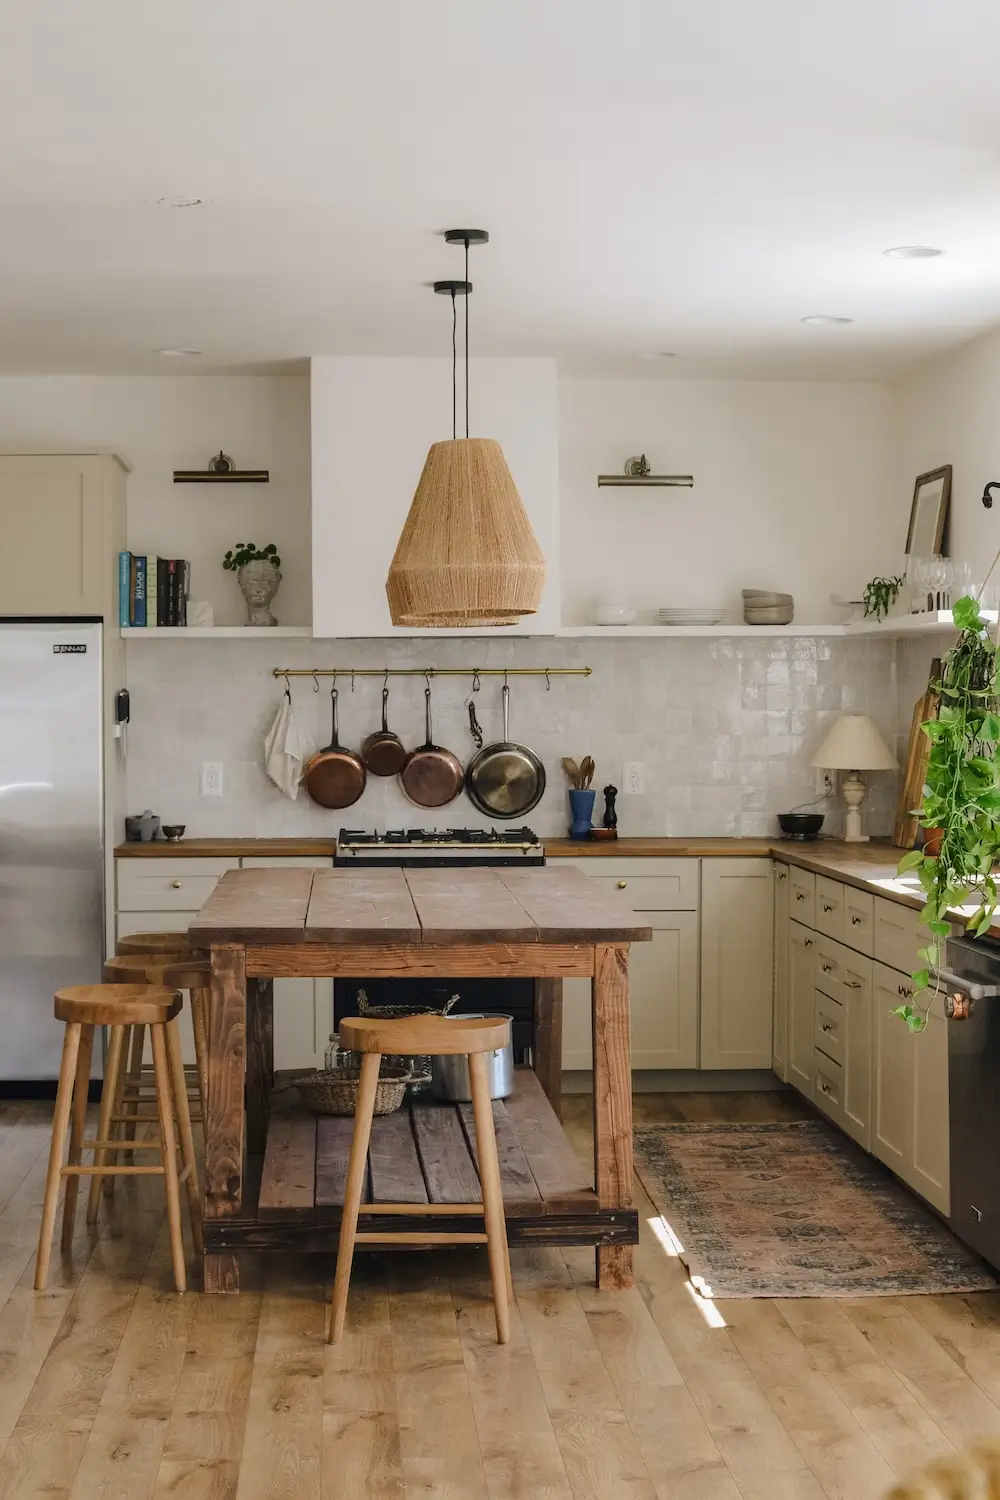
x=185 y=590
x=124 y=588
x=152 y=590
x=173 y=592
x=162 y=591
x=139 y=594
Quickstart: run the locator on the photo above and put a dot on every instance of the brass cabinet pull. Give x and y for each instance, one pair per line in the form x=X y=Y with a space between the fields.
x=856 y=921
x=176 y=884
x=800 y=895
x=622 y=884
x=827 y=906
x=827 y=968
x=852 y=984
x=901 y=989
x=826 y=1026
x=808 y=943
x=782 y=874
x=825 y=1087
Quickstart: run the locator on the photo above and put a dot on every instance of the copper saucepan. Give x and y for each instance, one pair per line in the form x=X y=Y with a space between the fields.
x=431 y=776
x=335 y=777
x=384 y=752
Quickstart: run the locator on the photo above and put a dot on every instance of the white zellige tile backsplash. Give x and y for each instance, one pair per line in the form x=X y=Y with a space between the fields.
x=725 y=728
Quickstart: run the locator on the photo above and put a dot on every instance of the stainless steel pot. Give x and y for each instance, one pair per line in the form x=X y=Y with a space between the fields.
x=450 y=1075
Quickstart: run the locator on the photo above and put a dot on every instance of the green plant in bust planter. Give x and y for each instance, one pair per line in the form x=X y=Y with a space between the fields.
x=961 y=798
x=880 y=595
x=257 y=573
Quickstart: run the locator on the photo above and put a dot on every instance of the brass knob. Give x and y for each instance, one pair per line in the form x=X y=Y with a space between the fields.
x=852 y=984
x=622 y=884
x=176 y=884
x=826 y=1026
x=808 y=943
x=782 y=874
x=800 y=895
x=827 y=906
x=856 y=921
x=901 y=989
x=827 y=968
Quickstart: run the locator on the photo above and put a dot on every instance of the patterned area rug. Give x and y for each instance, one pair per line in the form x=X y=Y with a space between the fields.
x=796 y=1210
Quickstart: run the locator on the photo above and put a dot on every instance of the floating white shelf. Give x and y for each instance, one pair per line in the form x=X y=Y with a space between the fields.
x=215 y=632
x=681 y=632
x=930 y=623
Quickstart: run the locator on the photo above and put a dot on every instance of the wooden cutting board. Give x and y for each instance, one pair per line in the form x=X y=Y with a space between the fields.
x=906 y=826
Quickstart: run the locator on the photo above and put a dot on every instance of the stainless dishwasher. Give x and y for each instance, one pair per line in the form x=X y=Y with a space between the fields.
x=971 y=984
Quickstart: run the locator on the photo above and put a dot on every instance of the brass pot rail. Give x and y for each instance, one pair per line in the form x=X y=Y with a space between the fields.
x=431 y=671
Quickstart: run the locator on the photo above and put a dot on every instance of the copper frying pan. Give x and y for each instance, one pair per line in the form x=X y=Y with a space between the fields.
x=431 y=775
x=335 y=777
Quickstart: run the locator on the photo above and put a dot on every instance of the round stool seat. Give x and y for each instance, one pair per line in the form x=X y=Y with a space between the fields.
x=429 y=1036
x=117 y=1004
x=154 y=942
x=174 y=971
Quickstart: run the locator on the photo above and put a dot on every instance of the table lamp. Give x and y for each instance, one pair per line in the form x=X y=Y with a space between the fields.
x=854 y=744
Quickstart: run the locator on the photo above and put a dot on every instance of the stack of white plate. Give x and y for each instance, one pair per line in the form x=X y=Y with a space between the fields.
x=763 y=608
x=688 y=616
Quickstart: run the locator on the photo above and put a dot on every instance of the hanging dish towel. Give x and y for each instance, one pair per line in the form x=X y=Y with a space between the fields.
x=287 y=749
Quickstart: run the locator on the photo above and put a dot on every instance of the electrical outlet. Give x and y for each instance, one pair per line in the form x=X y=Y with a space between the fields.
x=825 y=784
x=634 y=778
x=211 y=778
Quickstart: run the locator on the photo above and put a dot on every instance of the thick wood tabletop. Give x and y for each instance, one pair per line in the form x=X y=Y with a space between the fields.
x=450 y=906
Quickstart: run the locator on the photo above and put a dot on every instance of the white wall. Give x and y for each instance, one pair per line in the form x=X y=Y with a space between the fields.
x=373 y=421
x=794 y=490
x=948 y=412
x=166 y=423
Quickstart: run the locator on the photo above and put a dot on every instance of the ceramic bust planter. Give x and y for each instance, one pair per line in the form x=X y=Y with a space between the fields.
x=259 y=582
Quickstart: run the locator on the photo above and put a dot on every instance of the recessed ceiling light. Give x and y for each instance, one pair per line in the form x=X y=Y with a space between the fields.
x=178 y=353
x=912 y=252
x=179 y=200
x=823 y=320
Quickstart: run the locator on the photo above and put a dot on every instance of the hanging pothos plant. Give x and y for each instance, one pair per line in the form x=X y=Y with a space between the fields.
x=961 y=798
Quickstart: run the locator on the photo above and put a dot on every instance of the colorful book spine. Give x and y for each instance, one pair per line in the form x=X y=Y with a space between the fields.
x=161 y=591
x=139 y=602
x=125 y=588
x=173 y=594
x=152 y=590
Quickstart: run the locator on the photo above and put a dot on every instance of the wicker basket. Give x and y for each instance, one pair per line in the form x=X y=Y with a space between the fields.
x=334 y=1091
x=419 y=1067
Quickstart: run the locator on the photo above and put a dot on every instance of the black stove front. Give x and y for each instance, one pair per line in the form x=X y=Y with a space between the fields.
x=408 y=848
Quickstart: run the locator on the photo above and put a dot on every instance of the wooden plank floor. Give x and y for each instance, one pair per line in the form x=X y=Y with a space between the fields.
x=113 y=1387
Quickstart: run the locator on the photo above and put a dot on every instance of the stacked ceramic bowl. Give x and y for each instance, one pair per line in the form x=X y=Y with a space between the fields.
x=763 y=608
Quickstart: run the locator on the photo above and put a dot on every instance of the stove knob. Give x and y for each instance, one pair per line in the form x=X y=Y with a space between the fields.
x=957 y=1007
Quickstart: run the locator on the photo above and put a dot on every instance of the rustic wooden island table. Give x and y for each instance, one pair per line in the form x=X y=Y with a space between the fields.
x=274 y=1179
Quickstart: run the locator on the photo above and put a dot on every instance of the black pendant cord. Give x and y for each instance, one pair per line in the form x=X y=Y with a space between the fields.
x=467 y=301
x=454 y=367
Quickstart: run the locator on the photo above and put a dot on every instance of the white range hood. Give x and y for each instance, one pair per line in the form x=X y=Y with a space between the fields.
x=373 y=420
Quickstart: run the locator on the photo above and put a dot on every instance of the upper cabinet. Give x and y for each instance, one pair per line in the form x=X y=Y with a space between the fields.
x=62 y=519
x=373 y=420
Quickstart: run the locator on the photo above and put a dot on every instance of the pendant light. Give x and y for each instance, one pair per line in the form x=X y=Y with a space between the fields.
x=467 y=554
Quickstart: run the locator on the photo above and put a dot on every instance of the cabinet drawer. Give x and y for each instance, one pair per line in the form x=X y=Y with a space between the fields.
x=168 y=884
x=829 y=967
x=650 y=884
x=859 y=920
x=802 y=903
x=829 y=1027
x=830 y=907
x=829 y=1086
x=898 y=933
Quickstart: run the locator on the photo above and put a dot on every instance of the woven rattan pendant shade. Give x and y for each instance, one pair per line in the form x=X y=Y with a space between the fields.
x=467 y=554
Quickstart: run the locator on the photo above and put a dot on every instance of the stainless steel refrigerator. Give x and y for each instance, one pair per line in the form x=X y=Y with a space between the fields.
x=51 y=834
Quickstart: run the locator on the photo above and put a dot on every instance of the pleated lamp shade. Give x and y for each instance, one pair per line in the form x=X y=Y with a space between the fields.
x=467 y=554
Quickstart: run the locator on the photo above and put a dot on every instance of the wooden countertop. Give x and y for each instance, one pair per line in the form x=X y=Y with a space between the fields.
x=228 y=849
x=659 y=848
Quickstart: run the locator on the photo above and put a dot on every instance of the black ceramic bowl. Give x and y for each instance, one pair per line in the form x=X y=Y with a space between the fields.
x=801 y=826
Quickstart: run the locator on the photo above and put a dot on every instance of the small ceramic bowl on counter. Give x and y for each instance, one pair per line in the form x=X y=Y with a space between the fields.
x=614 y=614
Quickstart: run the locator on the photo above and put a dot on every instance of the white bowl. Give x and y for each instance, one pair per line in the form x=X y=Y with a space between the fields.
x=614 y=614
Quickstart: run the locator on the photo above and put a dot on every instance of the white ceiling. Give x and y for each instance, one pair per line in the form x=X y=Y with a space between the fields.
x=693 y=175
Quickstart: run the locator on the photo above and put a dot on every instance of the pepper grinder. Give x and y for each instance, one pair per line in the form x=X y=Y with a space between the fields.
x=610 y=819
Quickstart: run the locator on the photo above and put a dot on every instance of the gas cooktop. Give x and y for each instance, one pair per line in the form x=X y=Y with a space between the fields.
x=439 y=846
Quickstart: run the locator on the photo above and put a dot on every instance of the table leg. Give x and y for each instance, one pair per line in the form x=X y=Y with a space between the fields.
x=547 y=1048
x=260 y=1062
x=224 y=1121
x=612 y=1103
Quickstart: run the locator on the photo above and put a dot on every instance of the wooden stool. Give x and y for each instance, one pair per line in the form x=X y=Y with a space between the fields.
x=434 y=1036
x=154 y=942
x=83 y=1008
x=171 y=971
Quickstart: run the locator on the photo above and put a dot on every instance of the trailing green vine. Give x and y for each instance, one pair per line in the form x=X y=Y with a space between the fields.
x=880 y=595
x=962 y=798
